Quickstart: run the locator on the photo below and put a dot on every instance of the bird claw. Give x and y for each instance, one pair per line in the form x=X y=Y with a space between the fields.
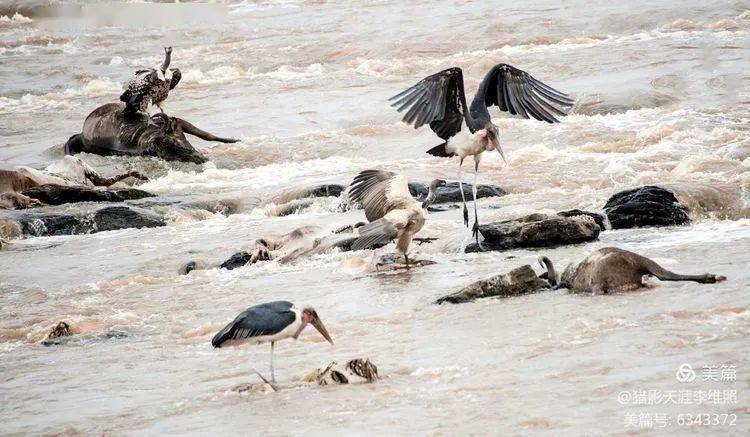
x=475 y=233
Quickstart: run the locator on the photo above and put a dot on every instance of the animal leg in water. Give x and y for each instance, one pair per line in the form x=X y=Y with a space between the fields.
x=188 y=128
x=475 y=228
x=666 y=275
x=273 y=375
x=461 y=188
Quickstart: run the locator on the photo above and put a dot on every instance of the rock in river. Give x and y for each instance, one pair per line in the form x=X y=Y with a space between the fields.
x=536 y=230
x=42 y=223
x=59 y=194
x=451 y=193
x=521 y=280
x=645 y=206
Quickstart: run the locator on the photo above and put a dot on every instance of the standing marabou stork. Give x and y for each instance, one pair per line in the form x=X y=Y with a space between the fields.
x=151 y=85
x=440 y=100
x=393 y=213
x=271 y=321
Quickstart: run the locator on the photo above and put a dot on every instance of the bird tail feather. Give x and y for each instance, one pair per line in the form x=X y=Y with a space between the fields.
x=374 y=235
x=440 y=151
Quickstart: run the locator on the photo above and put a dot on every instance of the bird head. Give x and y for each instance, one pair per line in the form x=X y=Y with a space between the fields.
x=432 y=192
x=493 y=139
x=310 y=316
x=168 y=50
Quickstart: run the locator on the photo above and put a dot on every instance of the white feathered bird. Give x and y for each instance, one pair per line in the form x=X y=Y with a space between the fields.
x=389 y=206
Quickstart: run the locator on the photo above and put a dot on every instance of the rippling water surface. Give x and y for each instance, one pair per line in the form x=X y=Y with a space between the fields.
x=663 y=96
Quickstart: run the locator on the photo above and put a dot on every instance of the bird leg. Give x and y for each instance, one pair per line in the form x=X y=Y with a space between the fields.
x=406 y=260
x=273 y=376
x=461 y=188
x=475 y=228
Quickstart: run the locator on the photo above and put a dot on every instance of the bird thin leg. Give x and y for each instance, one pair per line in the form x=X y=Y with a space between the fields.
x=475 y=229
x=406 y=259
x=273 y=376
x=461 y=188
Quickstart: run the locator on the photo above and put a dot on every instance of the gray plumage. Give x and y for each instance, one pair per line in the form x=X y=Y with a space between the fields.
x=265 y=319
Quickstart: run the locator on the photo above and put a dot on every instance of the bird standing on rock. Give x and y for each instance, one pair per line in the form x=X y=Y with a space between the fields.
x=393 y=213
x=269 y=322
x=440 y=101
x=151 y=85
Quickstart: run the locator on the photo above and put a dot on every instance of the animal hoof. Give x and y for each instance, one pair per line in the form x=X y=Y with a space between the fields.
x=712 y=279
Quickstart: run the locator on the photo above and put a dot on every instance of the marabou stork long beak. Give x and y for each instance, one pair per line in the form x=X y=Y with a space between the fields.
x=492 y=137
x=318 y=324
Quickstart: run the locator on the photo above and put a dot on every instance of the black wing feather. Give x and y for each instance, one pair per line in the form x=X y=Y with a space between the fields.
x=176 y=77
x=265 y=319
x=517 y=92
x=438 y=100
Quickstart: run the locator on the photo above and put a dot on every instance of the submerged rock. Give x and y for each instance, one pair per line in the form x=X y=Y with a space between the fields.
x=322 y=190
x=60 y=194
x=536 y=230
x=237 y=260
x=519 y=281
x=451 y=192
x=396 y=261
x=353 y=371
x=108 y=218
x=122 y=217
x=645 y=206
x=600 y=219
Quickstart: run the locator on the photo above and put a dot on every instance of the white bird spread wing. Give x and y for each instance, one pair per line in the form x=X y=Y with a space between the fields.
x=388 y=206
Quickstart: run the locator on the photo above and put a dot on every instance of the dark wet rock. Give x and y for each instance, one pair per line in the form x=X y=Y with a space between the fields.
x=122 y=217
x=645 y=206
x=292 y=207
x=44 y=224
x=326 y=190
x=188 y=267
x=60 y=194
x=322 y=190
x=237 y=260
x=600 y=219
x=396 y=261
x=536 y=230
x=451 y=193
x=519 y=281
x=108 y=218
x=221 y=206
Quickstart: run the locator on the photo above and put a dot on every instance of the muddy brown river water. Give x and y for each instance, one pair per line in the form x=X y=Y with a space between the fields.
x=662 y=97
